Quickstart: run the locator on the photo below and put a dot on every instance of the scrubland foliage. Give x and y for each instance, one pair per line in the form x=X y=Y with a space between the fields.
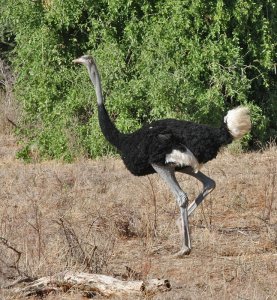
x=183 y=59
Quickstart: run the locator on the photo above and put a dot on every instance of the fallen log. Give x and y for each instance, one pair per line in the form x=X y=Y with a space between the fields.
x=93 y=284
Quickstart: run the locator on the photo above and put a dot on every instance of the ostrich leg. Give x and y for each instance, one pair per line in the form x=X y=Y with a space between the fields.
x=168 y=174
x=208 y=187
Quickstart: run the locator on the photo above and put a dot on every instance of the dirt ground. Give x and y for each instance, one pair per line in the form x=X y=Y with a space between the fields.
x=94 y=216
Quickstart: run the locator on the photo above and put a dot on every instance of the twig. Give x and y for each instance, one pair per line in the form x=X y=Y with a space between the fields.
x=12 y=122
x=9 y=246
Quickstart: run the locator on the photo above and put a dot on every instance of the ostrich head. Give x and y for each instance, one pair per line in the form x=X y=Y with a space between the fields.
x=90 y=64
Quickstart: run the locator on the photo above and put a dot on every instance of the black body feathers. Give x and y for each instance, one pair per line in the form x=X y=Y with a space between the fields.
x=151 y=143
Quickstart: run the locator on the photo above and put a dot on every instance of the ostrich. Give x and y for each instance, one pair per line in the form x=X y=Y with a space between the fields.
x=169 y=145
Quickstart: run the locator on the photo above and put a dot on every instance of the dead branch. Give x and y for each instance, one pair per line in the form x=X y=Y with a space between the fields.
x=18 y=281
x=12 y=122
x=18 y=253
x=93 y=283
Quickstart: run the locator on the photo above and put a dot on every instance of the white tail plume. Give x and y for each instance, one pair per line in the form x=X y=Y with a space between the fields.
x=238 y=121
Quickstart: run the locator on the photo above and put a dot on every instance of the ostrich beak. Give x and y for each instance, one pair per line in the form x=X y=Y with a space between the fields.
x=79 y=60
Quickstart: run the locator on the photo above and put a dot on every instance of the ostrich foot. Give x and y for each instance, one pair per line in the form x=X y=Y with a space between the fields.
x=184 y=251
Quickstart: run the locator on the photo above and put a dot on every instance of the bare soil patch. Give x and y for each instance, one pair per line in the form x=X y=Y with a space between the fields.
x=94 y=216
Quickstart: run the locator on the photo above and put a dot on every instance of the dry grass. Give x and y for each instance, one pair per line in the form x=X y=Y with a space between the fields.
x=94 y=216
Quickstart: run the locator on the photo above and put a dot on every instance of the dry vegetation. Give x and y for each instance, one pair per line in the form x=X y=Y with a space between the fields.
x=9 y=108
x=94 y=216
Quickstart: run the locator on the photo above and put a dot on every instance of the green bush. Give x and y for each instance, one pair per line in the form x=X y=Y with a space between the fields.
x=183 y=59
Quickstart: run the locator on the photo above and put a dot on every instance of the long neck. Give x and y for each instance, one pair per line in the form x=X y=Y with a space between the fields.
x=111 y=133
x=96 y=81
